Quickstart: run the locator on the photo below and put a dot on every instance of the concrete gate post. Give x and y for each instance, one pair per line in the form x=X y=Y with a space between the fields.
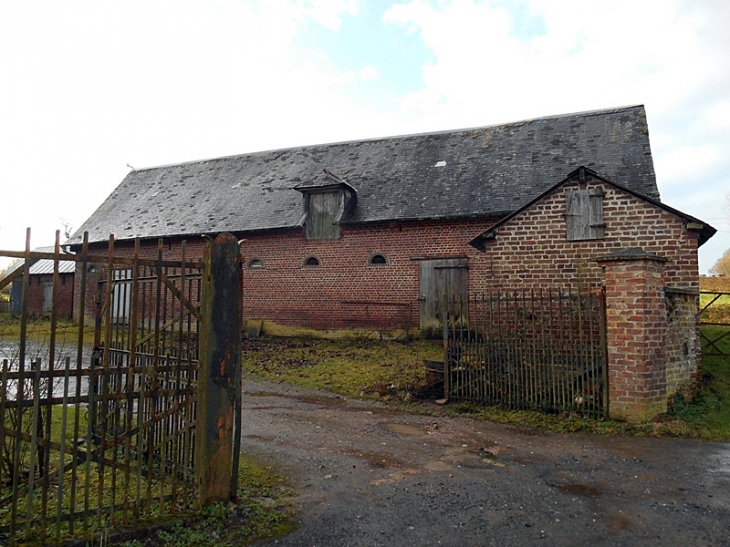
x=636 y=329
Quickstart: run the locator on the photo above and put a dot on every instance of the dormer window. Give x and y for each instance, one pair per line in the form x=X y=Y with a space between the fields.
x=326 y=200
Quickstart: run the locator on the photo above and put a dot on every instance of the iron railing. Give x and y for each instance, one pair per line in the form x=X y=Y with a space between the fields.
x=542 y=350
x=95 y=434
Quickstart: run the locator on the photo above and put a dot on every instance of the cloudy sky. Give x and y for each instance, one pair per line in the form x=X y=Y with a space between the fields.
x=88 y=88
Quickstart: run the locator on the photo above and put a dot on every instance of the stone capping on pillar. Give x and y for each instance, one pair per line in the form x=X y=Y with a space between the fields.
x=692 y=291
x=631 y=253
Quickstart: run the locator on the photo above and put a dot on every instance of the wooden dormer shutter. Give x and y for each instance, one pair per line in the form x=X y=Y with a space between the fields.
x=323 y=209
x=584 y=214
x=325 y=202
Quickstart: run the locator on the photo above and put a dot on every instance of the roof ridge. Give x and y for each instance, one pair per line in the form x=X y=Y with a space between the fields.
x=583 y=113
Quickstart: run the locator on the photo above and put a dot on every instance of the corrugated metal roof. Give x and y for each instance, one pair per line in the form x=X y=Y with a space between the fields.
x=487 y=172
x=43 y=267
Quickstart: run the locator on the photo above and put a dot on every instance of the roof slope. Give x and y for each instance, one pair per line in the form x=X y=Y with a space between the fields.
x=489 y=171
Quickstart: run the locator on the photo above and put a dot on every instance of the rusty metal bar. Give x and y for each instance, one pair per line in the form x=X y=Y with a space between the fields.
x=62 y=455
x=121 y=260
x=124 y=385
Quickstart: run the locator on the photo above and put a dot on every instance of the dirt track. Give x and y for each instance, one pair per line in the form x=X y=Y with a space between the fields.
x=369 y=475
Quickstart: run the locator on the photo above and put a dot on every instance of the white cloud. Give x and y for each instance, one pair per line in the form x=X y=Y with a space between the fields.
x=670 y=55
x=89 y=86
x=368 y=74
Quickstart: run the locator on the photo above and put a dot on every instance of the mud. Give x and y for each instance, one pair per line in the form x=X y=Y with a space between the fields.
x=367 y=475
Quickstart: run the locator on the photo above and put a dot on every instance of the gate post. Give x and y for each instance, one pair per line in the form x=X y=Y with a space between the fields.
x=219 y=373
x=635 y=334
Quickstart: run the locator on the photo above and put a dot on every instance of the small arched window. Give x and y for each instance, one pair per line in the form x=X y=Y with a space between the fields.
x=378 y=259
x=256 y=263
x=312 y=261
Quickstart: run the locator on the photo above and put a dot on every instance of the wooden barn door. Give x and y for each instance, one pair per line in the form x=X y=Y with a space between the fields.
x=442 y=283
x=47 y=296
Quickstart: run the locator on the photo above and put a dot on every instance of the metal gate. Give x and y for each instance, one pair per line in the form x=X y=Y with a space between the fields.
x=714 y=320
x=541 y=350
x=100 y=425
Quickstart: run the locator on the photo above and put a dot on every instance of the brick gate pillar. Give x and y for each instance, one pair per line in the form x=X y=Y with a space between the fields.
x=636 y=329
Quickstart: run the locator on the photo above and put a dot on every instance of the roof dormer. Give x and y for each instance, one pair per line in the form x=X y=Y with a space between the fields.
x=326 y=199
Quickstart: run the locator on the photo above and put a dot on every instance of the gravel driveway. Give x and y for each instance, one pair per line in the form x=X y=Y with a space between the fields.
x=368 y=475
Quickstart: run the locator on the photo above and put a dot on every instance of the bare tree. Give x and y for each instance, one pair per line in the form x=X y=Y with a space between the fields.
x=722 y=266
x=68 y=228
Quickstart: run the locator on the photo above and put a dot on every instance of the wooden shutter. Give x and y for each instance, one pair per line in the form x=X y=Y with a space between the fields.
x=322 y=211
x=584 y=215
x=596 y=226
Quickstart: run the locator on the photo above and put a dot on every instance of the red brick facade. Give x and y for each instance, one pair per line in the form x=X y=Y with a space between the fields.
x=346 y=290
x=37 y=293
x=531 y=250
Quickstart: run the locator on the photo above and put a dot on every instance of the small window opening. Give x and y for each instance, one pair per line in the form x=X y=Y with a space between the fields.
x=312 y=261
x=256 y=263
x=377 y=259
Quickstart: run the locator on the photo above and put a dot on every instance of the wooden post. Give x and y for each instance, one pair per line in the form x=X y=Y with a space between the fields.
x=220 y=361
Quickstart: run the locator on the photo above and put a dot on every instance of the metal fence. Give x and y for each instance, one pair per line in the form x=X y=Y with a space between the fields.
x=714 y=316
x=98 y=422
x=541 y=350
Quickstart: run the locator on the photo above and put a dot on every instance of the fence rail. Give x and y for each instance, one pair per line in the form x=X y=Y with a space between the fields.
x=528 y=350
x=714 y=314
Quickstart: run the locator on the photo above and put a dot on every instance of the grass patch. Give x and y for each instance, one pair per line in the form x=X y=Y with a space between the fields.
x=354 y=368
x=391 y=370
x=260 y=512
x=39 y=330
x=708 y=413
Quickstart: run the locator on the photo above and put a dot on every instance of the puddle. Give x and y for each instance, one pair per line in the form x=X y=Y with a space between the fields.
x=374 y=459
x=616 y=523
x=404 y=429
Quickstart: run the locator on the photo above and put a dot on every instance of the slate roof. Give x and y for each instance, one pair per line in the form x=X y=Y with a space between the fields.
x=481 y=172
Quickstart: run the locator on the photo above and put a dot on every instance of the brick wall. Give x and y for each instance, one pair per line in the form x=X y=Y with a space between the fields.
x=65 y=296
x=636 y=335
x=682 y=350
x=346 y=290
x=531 y=251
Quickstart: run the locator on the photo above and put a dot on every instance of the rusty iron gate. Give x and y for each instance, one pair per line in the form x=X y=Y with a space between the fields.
x=714 y=320
x=542 y=350
x=106 y=424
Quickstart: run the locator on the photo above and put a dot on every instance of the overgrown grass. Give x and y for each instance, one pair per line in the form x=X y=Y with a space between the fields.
x=39 y=329
x=708 y=413
x=261 y=511
x=354 y=368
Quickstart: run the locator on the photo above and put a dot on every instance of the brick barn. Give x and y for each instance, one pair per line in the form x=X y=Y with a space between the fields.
x=40 y=289
x=350 y=235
